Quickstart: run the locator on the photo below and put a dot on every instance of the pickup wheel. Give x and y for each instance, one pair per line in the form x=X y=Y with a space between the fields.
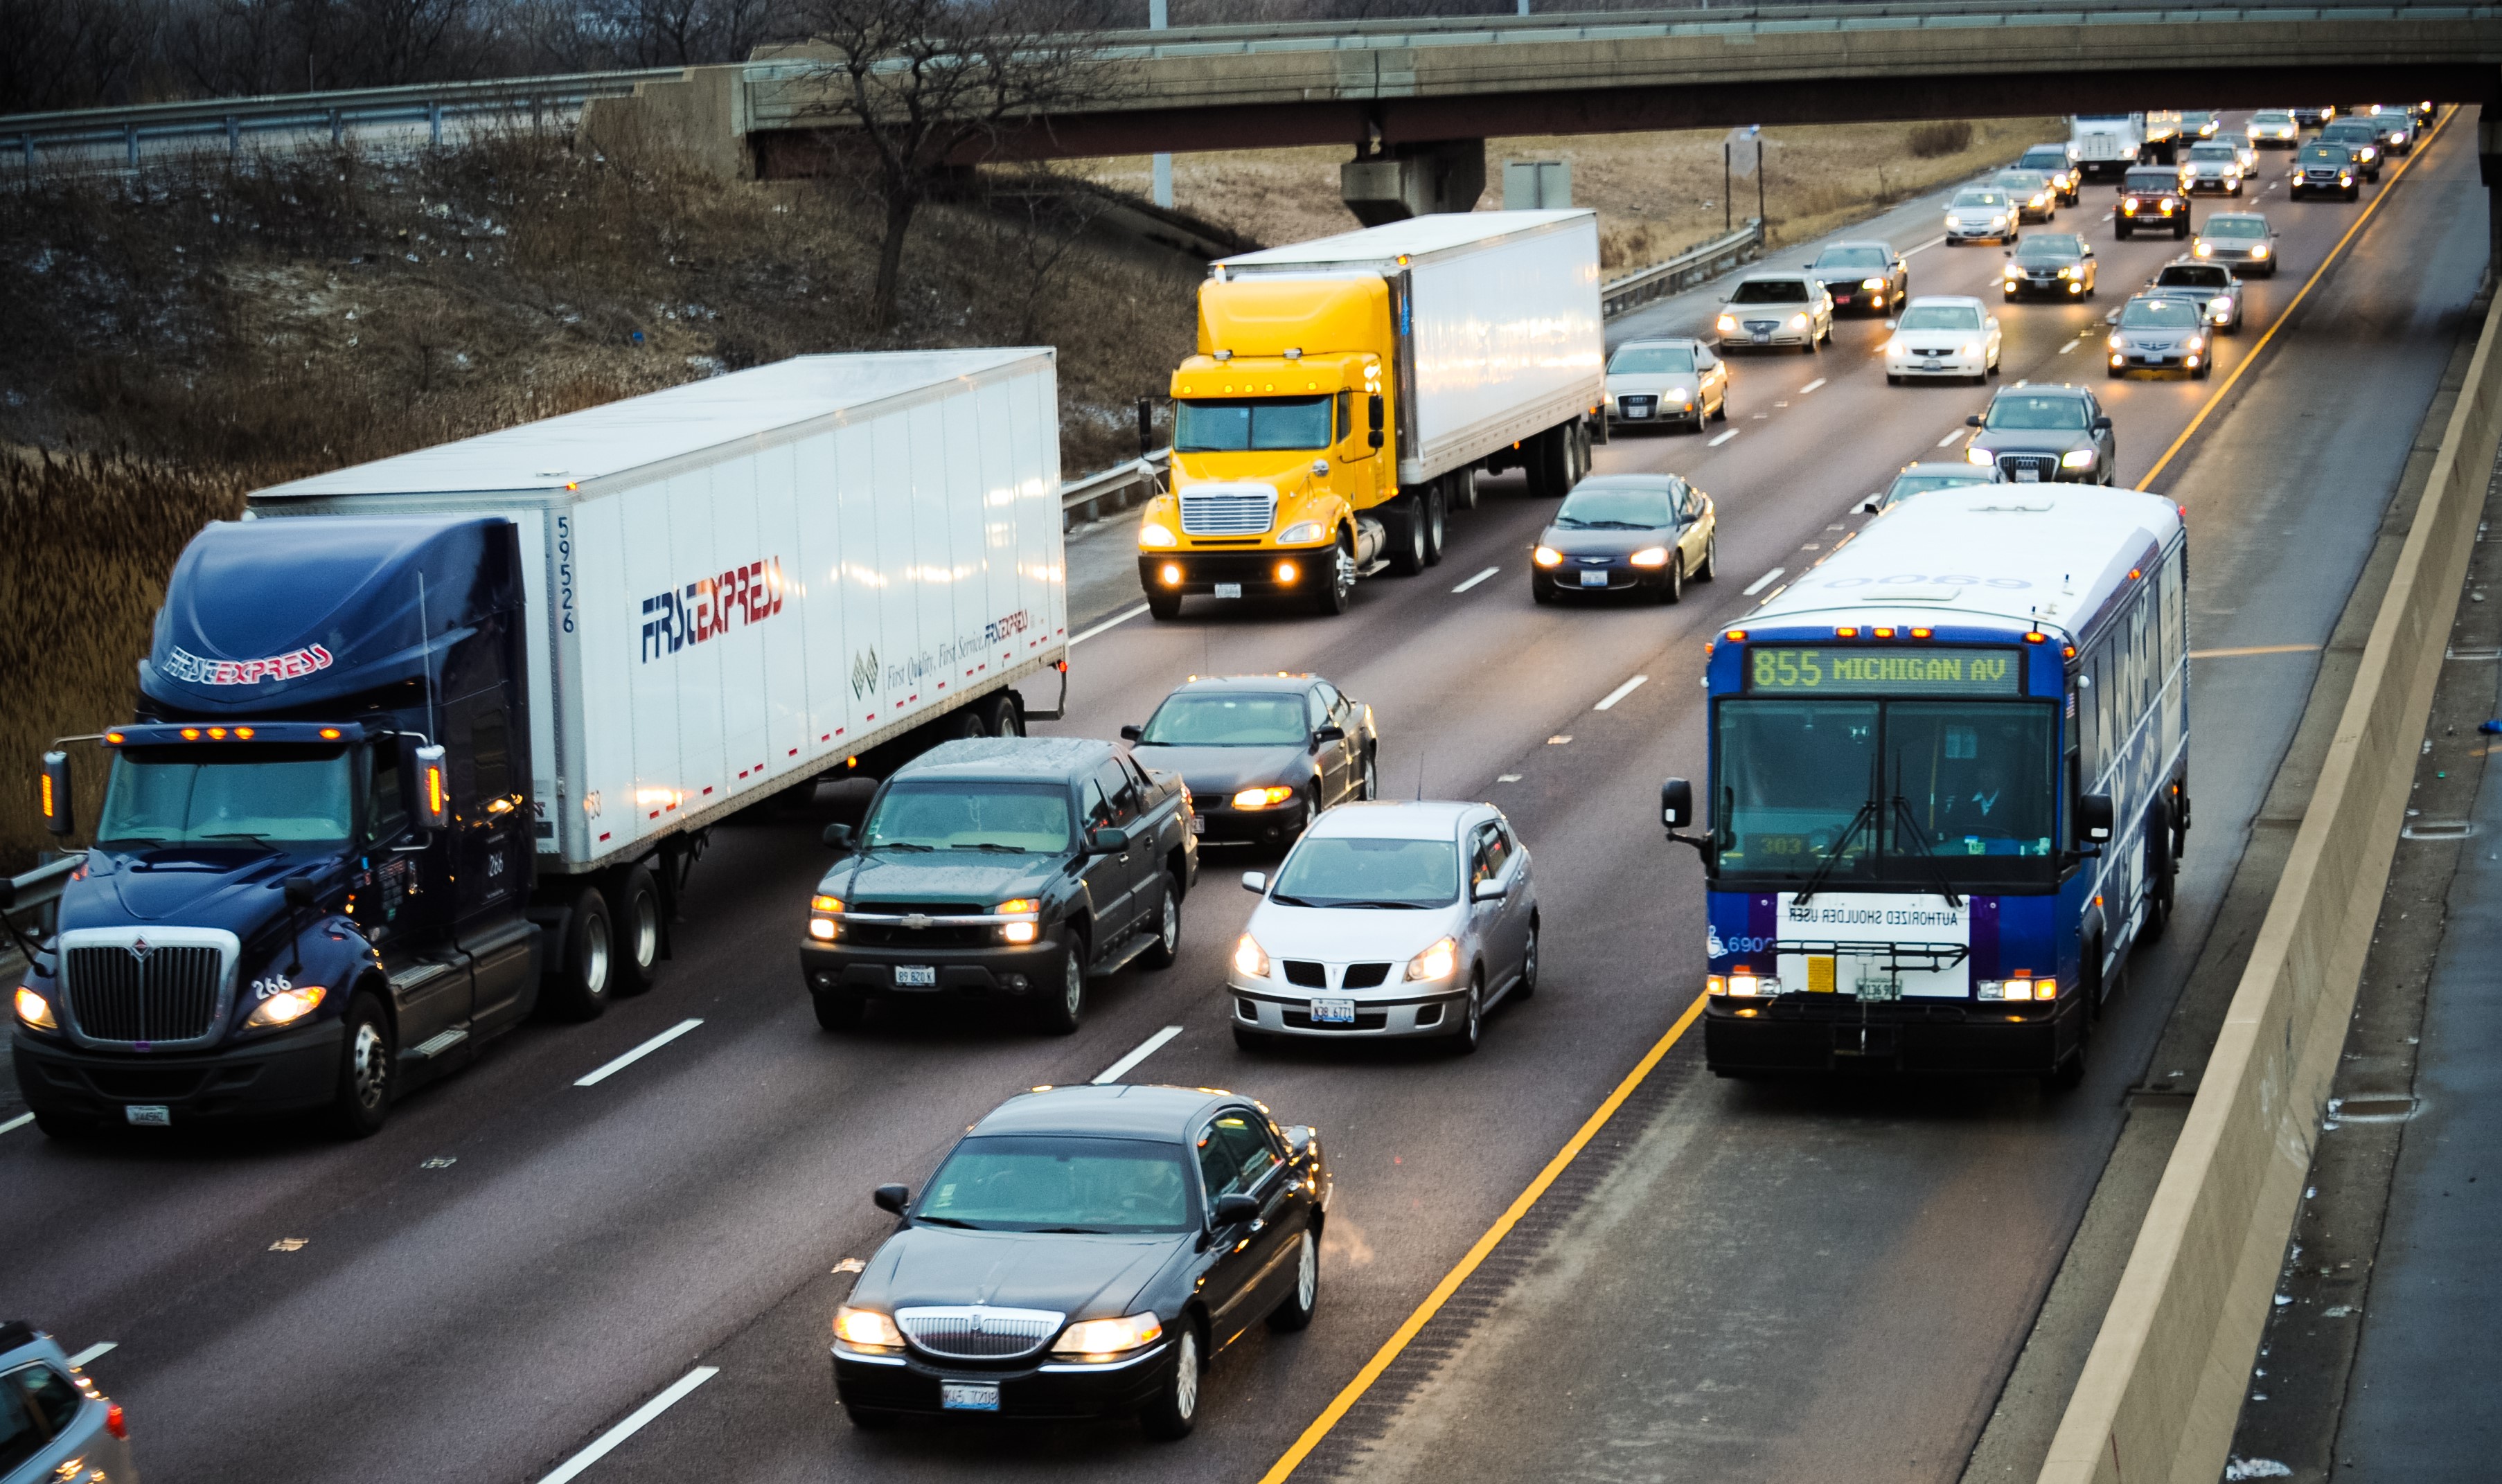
x=635 y=906
x=870 y=1419
x=1168 y=944
x=1059 y=1007
x=367 y=1062
x=840 y=1010
x=586 y=972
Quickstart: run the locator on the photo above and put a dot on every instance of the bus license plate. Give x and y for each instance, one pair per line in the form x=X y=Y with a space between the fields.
x=1594 y=579
x=1229 y=589
x=1333 y=1012
x=916 y=976
x=969 y=1395
x=149 y=1115
x=1879 y=989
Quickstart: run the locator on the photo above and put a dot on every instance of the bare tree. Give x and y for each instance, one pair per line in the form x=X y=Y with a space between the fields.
x=922 y=88
x=1046 y=212
x=680 y=33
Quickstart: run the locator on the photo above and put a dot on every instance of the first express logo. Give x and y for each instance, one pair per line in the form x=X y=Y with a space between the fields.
x=182 y=665
x=711 y=606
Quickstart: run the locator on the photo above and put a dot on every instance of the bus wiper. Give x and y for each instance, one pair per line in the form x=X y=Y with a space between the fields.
x=1867 y=816
x=235 y=834
x=1928 y=855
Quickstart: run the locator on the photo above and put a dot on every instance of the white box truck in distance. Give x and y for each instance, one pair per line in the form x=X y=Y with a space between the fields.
x=1346 y=393
x=2105 y=145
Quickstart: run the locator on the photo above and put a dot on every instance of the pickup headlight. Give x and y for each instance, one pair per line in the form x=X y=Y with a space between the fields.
x=1024 y=919
x=867 y=1328
x=823 y=913
x=1649 y=557
x=1978 y=456
x=285 y=1007
x=35 y=1011
x=1250 y=959
x=2076 y=458
x=1435 y=962
x=1726 y=324
x=2223 y=307
x=1100 y=1339
x=2128 y=203
x=1152 y=535
x=1262 y=799
x=1546 y=557
x=1302 y=532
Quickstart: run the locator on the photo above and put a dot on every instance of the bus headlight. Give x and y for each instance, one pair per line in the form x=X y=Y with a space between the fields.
x=2018 y=988
x=1751 y=986
x=2076 y=458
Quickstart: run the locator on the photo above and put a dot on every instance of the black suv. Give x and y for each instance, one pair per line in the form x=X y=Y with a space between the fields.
x=2325 y=170
x=1001 y=867
x=2151 y=199
x=2046 y=434
x=2362 y=139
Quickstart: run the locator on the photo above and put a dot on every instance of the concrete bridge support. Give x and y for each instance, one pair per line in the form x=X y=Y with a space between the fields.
x=2488 y=164
x=1414 y=179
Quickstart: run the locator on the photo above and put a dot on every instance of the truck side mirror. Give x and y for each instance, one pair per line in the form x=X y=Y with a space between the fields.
x=298 y=890
x=891 y=1197
x=1372 y=418
x=1107 y=840
x=2093 y=818
x=429 y=805
x=59 y=813
x=1676 y=803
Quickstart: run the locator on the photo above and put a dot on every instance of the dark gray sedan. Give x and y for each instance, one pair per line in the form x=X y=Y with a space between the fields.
x=2161 y=332
x=1646 y=534
x=1261 y=754
x=2044 y=433
x=2213 y=285
x=1921 y=478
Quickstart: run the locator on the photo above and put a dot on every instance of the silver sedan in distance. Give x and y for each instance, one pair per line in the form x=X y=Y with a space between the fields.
x=1388 y=921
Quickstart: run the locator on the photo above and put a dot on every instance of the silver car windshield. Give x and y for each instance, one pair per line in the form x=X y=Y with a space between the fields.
x=2235 y=226
x=1941 y=317
x=2160 y=315
x=1346 y=871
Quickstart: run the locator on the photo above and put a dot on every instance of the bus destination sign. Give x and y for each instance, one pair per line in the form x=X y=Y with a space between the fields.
x=1779 y=669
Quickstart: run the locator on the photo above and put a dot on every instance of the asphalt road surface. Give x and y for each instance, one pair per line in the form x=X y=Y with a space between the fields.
x=1767 y=1283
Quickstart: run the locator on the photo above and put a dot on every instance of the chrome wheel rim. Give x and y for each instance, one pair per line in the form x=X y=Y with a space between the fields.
x=1172 y=922
x=1475 y=1012
x=1529 y=959
x=647 y=930
x=369 y=1066
x=1072 y=993
x=1371 y=778
x=1307 y=1275
x=1186 y=1375
x=595 y=956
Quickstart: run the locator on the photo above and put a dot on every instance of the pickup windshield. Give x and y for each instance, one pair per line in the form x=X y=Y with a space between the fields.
x=1339 y=871
x=1206 y=720
x=1028 y=818
x=1038 y=1183
x=1232 y=425
x=1653 y=360
x=1885 y=791
x=227 y=795
x=2154 y=183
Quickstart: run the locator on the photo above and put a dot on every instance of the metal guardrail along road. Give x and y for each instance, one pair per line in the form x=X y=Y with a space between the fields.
x=33 y=900
x=1696 y=264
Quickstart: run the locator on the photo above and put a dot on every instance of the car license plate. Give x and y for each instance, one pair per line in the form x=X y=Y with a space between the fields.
x=1199 y=823
x=1879 y=989
x=151 y=1115
x=1763 y=337
x=1594 y=579
x=1933 y=365
x=1333 y=1012
x=1638 y=409
x=969 y=1395
x=916 y=976
x=2028 y=475
x=1229 y=589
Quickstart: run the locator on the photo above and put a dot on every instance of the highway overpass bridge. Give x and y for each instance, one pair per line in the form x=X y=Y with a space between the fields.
x=1414 y=99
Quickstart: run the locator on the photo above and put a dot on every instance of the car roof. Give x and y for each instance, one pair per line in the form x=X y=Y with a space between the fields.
x=1978 y=474
x=1951 y=300
x=2215 y=217
x=1300 y=681
x=2042 y=388
x=1114 y=1110
x=1630 y=481
x=1978 y=191
x=1429 y=818
x=1052 y=760
x=2069 y=242
x=1773 y=275
x=1683 y=340
x=1857 y=242
x=21 y=1341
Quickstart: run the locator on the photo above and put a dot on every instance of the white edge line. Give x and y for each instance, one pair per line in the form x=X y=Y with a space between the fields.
x=1114 y=622
x=19 y=1121
x=1621 y=692
x=1811 y=387
x=1146 y=1048
x=1473 y=581
x=93 y=1353
x=639 y=1052
x=1723 y=438
x=1763 y=582
x=1949 y=438
x=641 y=1417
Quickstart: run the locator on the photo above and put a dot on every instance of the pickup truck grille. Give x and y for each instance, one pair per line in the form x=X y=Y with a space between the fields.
x=978 y=1332
x=1227 y=512
x=937 y=934
x=167 y=994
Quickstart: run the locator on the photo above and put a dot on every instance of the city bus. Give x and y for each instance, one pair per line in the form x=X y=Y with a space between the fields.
x=1948 y=785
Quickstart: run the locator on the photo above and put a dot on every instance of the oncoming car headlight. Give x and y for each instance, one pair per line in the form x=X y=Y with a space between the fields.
x=2259 y=251
x=1024 y=919
x=1546 y=557
x=1301 y=533
x=1250 y=959
x=1267 y=798
x=1978 y=456
x=867 y=1328
x=2203 y=250
x=2013 y=272
x=1437 y=962
x=1972 y=348
x=2128 y=203
x=1649 y=557
x=2076 y=458
x=1726 y=324
x=1100 y=1339
x=1151 y=534
x=1872 y=284
x=1798 y=321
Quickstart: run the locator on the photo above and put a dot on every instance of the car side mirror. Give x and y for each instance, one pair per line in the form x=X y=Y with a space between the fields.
x=1108 y=839
x=891 y=1197
x=1891 y=324
x=1233 y=1211
x=1974 y=421
x=1326 y=734
x=2093 y=819
x=1489 y=891
x=1256 y=882
x=2102 y=424
x=298 y=890
x=1676 y=803
x=839 y=836
x=1875 y=504
x=1132 y=734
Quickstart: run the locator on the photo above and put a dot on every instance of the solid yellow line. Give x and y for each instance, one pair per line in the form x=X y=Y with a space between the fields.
x=2422 y=147
x=1398 y=1342
x=2256 y=649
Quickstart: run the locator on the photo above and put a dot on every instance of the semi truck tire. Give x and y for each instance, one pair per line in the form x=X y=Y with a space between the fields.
x=1161 y=606
x=1436 y=519
x=1337 y=587
x=634 y=907
x=1000 y=716
x=367 y=1061
x=1403 y=522
x=586 y=971
x=1464 y=487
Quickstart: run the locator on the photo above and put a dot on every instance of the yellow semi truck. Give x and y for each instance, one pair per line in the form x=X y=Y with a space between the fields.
x=1346 y=393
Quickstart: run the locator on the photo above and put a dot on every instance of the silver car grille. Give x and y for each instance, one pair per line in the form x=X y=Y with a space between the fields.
x=977 y=1332
x=144 y=991
x=1762 y=326
x=1229 y=511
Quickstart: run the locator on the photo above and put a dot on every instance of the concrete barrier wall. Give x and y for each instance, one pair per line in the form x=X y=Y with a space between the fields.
x=2162 y=1388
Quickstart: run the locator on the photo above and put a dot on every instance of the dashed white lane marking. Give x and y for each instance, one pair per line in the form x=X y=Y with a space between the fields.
x=1723 y=438
x=1507 y=778
x=1764 y=581
x=634 y=1055
x=1811 y=387
x=2072 y=345
x=1114 y=622
x=1146 y=1048
x=93 y=1353
x=1608 y=702
x=19 y=1121
x=1925 y=246
x=641 y=1418
x=1473 y=581
x=1949 y=438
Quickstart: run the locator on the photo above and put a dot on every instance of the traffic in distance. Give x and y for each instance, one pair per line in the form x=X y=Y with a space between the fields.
x=342 y=849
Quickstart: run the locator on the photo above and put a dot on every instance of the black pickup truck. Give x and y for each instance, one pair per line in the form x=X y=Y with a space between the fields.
x=1013 y=869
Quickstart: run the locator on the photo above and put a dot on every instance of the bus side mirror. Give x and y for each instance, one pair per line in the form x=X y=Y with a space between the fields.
x=1676 y=803
x=1372 y=418
x=2093 y=819
x=59 y=813
x=430 y=804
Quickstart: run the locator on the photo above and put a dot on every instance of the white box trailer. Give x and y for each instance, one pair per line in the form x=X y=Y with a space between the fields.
x=1499 y=333
x=735 y=585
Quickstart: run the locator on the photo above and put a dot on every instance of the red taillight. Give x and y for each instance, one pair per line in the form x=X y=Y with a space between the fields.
x=113 y=1421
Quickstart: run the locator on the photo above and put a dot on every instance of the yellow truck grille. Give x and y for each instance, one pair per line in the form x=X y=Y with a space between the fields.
x=1235 y=511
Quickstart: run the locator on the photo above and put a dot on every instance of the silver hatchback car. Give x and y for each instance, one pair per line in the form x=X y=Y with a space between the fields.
x=1388 y=920
x=54 y=1425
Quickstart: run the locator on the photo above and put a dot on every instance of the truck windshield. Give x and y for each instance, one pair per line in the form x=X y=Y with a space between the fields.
x=1339 y=871
x=225 y=795
x=1010 y=817
x=1226 y=721
x=1885 y=791
x=1232 y=426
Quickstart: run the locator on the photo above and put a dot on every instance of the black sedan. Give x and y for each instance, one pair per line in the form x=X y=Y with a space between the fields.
x=2044 y=433
x=1084 y=1252
x=2162 y=333
x=2059 y=265
x=1647 y=533
x=1867 y=276
x=1261 y=754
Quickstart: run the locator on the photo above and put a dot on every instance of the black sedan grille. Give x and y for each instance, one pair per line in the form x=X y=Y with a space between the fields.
x=978 y=1332
x=169 y=995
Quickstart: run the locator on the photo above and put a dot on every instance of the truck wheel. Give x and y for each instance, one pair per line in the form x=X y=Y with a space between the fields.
x=635 y=906
x=1435 y=520
x=62 y=1129
x=1163 y=607
x=1059 y=1007
x=1168 y=944
x=1464 y=487
x=840 y=1010
x=366 y=1063
x=586 y=972
x=1000 y=716
x=1339 y=589
x=1404 y=525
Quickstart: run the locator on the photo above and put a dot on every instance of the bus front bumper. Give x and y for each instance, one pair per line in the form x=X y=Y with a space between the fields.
x=1825 y=1033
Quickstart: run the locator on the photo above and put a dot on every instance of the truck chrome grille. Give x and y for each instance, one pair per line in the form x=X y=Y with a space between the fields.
x=977 y=1332
x=1233 y=511
x=167 y=994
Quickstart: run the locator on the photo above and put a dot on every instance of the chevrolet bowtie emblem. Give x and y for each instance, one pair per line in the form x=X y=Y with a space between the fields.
x=915 y=920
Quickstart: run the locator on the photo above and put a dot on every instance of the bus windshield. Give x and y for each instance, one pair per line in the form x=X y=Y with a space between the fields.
x=1886 y=792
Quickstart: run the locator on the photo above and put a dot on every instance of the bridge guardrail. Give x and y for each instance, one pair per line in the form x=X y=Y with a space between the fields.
x=1693 y=265
x=1117 y=487
x=38 y=893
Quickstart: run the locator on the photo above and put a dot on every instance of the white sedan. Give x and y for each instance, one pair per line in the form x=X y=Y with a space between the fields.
x=1945 y=336
x=1388 y=920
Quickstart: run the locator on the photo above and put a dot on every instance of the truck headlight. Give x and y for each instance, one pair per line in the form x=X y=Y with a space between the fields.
x=1250 y=959
x=1301 y=533
x=1435 y=963
x=287 y=1006
x=2076 y=458
x=867 y=1328
x=1978 y=456
x=35 y=1011
x=1546 y=557
x=1152 y=535
x=1649 y=557
x=1100 y=1339
x=1025 y=915
x=823 y=913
